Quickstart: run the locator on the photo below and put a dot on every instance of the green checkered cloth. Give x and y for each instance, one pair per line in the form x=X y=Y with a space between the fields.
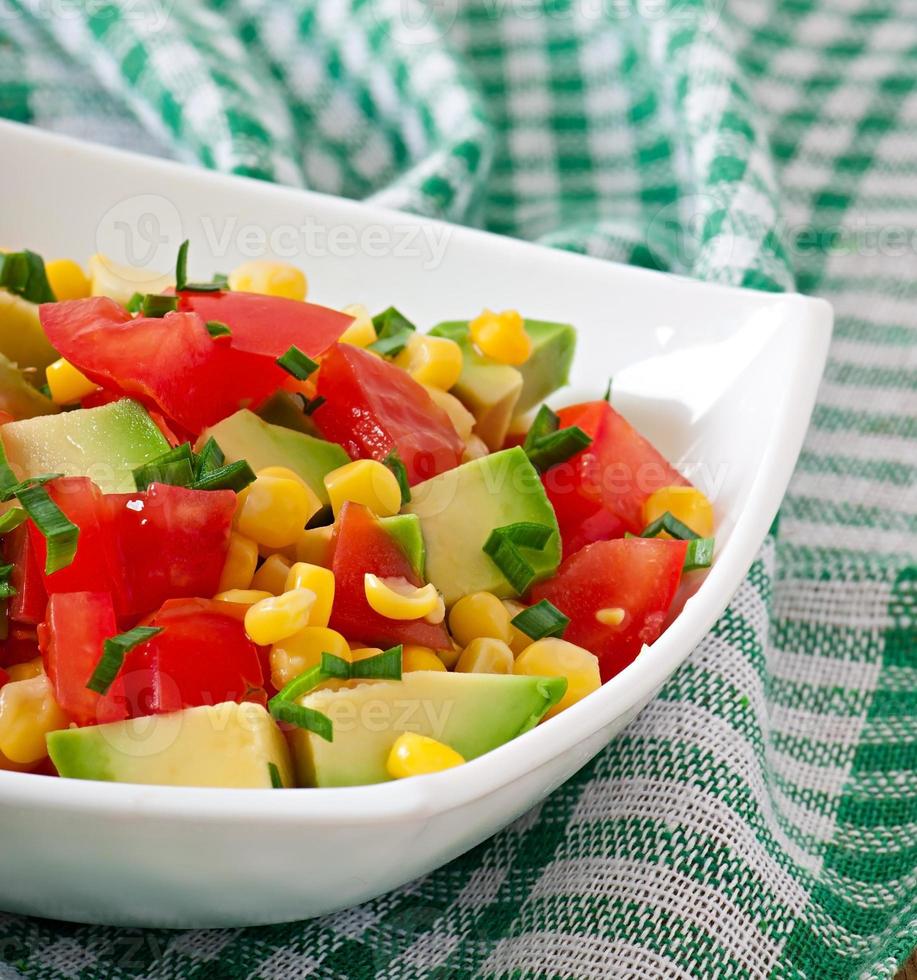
x=759 y=819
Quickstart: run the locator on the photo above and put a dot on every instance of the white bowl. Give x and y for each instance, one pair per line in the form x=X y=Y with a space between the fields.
x=723 y=380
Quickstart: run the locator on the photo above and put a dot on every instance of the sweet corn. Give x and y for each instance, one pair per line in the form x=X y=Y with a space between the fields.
x=611 y=616
x=314 y=546
x=272 y=620
x=475 y=448
x=360 y=333
x=462 y=420
x=363 y=653
x=450 y=657
x=241 y=562
x=274 y=510
x=292 y=656
x=66 y=383
x=419 y=658
x=502 y=336
x=433 y=361
x=242 y=597
x=485 y=655
x=364 y=481
x=26 y=671
x=396 y=598
x=419 y=755
x=283 y=472
x=687 y=504
x=271 y=577
x=558 y=658
x=479 y=614
x=320 y=580
x=67 y=279
x=518 y=640
x=269 y=278
x=28 y=712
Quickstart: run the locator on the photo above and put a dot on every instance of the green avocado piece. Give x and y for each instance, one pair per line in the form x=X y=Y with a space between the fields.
x=245 y=436
x=472 y=713
x=459 y=508
x=231 y=745
x=22 y=338
x=105 y=444
x=283 y=409
x=18 y=397
x=405 y=529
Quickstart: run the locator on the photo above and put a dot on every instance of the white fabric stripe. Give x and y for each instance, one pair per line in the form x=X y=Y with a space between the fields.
x=808 y=668
x=855 y=490
x=874 y=448
x=836 y=603
x=873 y=399
x=866 y=539
x=830 y=729
x=865 y=353
x=806 y=775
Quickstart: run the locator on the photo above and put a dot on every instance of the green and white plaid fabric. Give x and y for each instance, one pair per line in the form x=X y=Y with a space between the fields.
x=759 y=819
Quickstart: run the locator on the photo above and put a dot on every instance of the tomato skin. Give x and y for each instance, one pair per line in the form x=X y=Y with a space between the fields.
x=372 y=407
x=202 y=656
x=71 y=644
x=29 y=604
x=598 y=494
x=362 y=545
x=143 y=548
x=4 y=677
x=639 y=575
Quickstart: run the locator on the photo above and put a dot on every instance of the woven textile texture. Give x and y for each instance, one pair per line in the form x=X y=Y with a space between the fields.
x=759 y=819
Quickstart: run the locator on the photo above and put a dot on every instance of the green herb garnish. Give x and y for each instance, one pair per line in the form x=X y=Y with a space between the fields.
x=699 y=554
x=274 y=773
x=672 y=526
x=175 y=467
x=114 y=650
x=298 y=364
x=155 y=305
x=503 y=548
x=216 y=328
x=23 y=273
x=546 y=444
x=394 y=463
x=541 y=620
x=233 y=476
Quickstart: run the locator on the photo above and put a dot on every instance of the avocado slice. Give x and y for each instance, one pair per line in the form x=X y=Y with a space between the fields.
x=459 y=508
x=472 y=713
x=18 y=397
x=22 y=338
x=245 y=436
x=231 y=745
x=105 y=443
x=405 y=529
x=282 y=409
x=546 y=370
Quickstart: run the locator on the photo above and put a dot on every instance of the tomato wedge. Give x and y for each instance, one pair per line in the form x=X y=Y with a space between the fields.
x=362 y=545
x=599 y=493
x=29 y=604
x=637 y=575
x=372 y=407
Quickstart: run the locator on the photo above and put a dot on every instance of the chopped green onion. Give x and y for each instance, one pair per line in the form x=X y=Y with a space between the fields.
x=541 y=620
x=274 y=773
x=135 y=303
x=298 y=364
x=216 y=328
x=45 y=389
x=23 y=273
x=175 y=467
x=29 y=481
x=158 y=306
x=114 y=650
x=11 y=519
x=181 y=266
x=558 y=447
x=607 y=395
x=210 y=458
x=699 y=554
x=545 y=423
x=306 y=718
x=301 y=684
x=390 y=346
x=234 y=476
x=6 y=590
x=390 y=322
x=383 y=666
x=60 y=533
x=393 y=462
x=309 y=405
x=672 y=526
x=502 y=547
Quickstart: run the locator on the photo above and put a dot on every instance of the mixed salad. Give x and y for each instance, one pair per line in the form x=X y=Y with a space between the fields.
x=252 y=541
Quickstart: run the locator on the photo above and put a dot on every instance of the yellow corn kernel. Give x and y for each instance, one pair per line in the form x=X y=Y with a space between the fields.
x=462 y=420
x=501 y=336
x=611 y=616
x=67 y=279
x=320 y=580
x=269 y=278
x=433 y=361
x=364 y=481
x=450 y=657
x=241 y=562
x=485 y=655
x=475 y=448
x=479 y=614
x=283 y=472
x=687 y=504
x=518 y=640
x=360 y=333
x=558 y=658
x=25 y=671
x=314 y=546
x=242 y=597
x=271 y=577
x=66 y=383
x=419 y=755
x=272 y=620
x=419 y=658
x=274 y=510
x=28 y=712
x=362 y=653
x=292 y=656
x=398 y=599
